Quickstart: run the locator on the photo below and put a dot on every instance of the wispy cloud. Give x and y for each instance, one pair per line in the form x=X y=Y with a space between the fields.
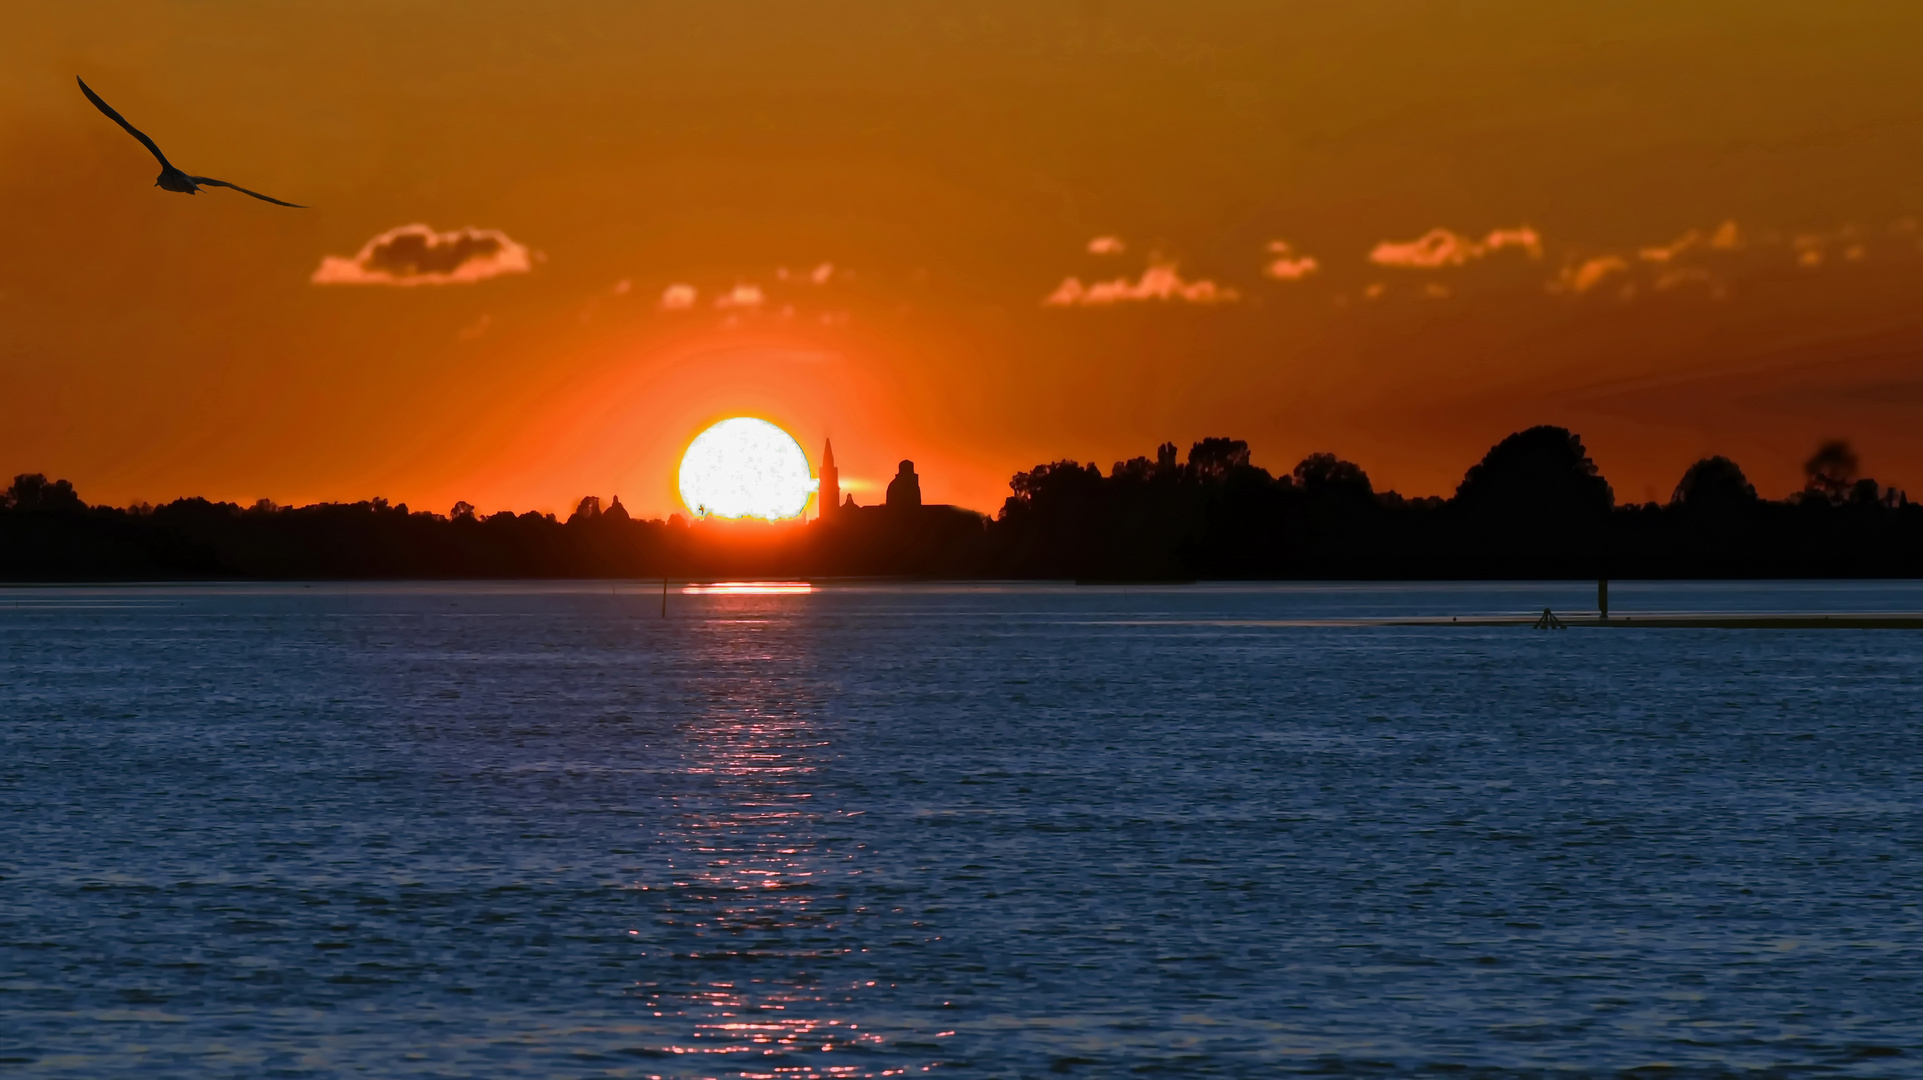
x=1159 y=282
x=1725 y=237
x=1584 y=275
x=820 y=275
x=1678 y=276
x=679 y=297
x=1287 y=265
x=1814 y=249
x=1106 y=245
x=417 y=255
x=1697 y=257
x=1438 y=248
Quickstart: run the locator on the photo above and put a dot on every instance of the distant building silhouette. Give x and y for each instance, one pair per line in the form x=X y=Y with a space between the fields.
x=904 y=491
x=828 y=495
x=616 y=511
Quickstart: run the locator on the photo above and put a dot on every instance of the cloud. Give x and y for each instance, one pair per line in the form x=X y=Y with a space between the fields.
x=1287 y=265
x=417 y=255
x=1812 y=249
x=1157 y=283
x=1677 y=277
x=678 y=297
x=1671 y=265
x=1440 y=247
x=1437 y=247
x=1106 y=245
x=820 y=275
x=741 y=296
x=1726 y=237
x=1583 y=276
x=1522 y=236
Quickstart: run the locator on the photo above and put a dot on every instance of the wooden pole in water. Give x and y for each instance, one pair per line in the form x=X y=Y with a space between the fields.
x=664 y=598
x=1602 y=597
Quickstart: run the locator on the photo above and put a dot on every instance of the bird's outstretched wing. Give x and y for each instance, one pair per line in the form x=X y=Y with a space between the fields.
x=211 y=182
x=122 y=121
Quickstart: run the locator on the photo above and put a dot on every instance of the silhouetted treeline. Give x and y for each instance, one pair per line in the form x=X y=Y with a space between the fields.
x=48 y=534
x=1534 y=507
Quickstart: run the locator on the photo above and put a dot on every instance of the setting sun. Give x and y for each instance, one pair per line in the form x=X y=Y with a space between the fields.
x=745 y=467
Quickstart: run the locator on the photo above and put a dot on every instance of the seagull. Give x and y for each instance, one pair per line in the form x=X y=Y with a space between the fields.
x=171 y=179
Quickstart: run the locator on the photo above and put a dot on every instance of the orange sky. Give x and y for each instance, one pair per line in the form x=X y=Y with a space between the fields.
x=1677 y=229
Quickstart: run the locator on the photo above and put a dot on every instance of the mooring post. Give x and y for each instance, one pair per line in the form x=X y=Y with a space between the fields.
x=664 y=598
x=1602 y=598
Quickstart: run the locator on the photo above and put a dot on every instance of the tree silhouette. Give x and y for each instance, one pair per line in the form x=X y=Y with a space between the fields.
x=1542 y=474
x=1325 y=475
x=33 y=492
x=1164 y=467
x=1214 y=458
x=588 y=510
x=1714 y=484
x=1831 y=471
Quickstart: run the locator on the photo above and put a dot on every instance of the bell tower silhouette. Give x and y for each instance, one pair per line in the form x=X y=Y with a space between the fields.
x=828 y=496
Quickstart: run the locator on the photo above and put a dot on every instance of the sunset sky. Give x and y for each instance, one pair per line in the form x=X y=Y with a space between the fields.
x=976 y=235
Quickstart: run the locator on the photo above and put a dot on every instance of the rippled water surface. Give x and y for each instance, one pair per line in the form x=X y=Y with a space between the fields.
x=500 y=830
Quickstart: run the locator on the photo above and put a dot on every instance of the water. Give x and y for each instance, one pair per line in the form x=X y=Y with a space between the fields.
x=502 y=830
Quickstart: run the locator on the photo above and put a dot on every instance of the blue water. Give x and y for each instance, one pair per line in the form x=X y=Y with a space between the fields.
x=508 y=830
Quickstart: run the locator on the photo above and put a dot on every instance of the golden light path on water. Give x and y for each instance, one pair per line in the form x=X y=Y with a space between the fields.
x=757 y=903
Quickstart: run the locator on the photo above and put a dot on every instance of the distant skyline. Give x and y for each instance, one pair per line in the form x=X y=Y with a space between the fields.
x=551 y=244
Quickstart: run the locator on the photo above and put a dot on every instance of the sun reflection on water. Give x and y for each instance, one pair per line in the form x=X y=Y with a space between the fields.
x=748 y=964
x=749 y=588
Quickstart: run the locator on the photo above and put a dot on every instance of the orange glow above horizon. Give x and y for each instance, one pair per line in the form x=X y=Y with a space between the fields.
x=979 y=241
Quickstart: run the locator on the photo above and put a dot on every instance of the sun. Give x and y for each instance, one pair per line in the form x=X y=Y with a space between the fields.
x=745 y=467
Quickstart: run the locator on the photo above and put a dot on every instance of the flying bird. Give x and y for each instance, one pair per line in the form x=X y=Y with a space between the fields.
x=171 y=179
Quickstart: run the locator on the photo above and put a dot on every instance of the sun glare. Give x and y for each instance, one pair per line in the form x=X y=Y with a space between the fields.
x=748 y=588
x=745 y=467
